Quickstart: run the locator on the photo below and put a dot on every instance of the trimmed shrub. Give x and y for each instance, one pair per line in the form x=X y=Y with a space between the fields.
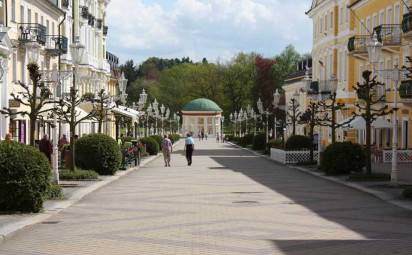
x=298 y=142
x=98 y=152
x=246 y=140
x=259 y=142
x=24 y=177
x=276 y=143
x=158 y=139
x=55 y=192
x=79 y=174
x=407 y=193
x=174 y=137
x=128 y=139
x=152 y=146
x=343 y=158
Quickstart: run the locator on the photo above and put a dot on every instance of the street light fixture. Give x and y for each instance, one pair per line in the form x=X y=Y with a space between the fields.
x=276 y=100
x=33 y=52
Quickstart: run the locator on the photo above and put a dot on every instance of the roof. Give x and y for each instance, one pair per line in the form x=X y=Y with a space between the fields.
x=202 y=105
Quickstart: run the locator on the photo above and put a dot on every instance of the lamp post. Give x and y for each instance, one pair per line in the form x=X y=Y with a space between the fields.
x=162 y=112
x=276 y=100
x=148 y=114
x=77 y=51
x=155 y=106
x=264 y=112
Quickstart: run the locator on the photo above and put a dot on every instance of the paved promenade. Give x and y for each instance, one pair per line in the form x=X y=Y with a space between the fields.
x=228 y=202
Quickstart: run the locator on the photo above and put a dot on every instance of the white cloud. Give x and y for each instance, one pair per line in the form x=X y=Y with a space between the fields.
x=206 y=28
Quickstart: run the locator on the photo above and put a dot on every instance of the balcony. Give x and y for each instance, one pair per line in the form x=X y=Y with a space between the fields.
x=91 y=20
x=32 y=32
x=84 y=12
x=325 y=87
x=99 y=23
x=390 y=36
x=105 y=30
x=407 y=26
x=405 y=91
x=65 y=4
x=56 y=45
x=357 y=46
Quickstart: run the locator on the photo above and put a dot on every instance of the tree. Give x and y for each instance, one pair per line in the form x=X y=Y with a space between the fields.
x=265 y=80
x=330 y=108
x=67 y=111
x=310 y=118
x=34 y=96
x=293 y=114
x=369 y=108
x=103 y=107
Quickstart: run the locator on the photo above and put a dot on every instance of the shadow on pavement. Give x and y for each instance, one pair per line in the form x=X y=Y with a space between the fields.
x=385 y=228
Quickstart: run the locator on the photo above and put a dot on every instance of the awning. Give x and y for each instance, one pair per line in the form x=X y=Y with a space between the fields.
x=126 y=112
x=360 y=123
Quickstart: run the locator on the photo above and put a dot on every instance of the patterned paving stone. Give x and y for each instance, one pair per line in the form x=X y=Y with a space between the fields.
x=229 y=202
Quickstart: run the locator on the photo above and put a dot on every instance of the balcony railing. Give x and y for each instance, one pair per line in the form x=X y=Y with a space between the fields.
x=389 y=35
x=405 y=90
x=91 y=20
x=56 y=45
x=65 y=3
x=99 y=23
x=32 y=32
x=407 y=23
x=323 y=87
x=105 y=30
x=85 y=12
x=358 y=43
x=111 y=58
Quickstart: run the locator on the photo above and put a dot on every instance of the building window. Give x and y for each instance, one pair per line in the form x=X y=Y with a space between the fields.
x=13 y=10
x=405 y=134
x=331 y=20
x=28 y=15
x=389 y=16
x=21 y=14
x=36 y=18
x=42 y=20
x=14 y=67
x=397 y=14
x=381 y=17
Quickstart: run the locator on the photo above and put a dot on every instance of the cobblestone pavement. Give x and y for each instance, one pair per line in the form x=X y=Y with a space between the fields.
x=228 y=202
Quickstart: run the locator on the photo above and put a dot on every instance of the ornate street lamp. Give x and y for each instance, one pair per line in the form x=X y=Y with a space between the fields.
x=276 y=100
x=33 y=52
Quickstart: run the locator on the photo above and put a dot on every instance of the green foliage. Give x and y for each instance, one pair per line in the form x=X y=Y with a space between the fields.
x=98 y=152
x=152 y=146
x=407 y=193
x=276 y=143
x=78 y=174
x=174 y=137
x=158 y=139
x=343 y=158
x=24 y=177
x=246 y=140
x=298 y=142
x=55 y=192
x=259 y=142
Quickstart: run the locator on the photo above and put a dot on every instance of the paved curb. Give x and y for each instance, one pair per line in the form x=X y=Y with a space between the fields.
x=54 y=208
x=378 y=194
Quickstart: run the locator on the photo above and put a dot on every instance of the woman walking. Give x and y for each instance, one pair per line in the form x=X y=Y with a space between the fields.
x=189 y=148
x=167 y=148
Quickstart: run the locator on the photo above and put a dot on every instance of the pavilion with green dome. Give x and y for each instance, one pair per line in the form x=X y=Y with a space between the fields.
x=202 y=115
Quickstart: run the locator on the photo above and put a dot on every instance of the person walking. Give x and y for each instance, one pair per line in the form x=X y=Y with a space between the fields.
x=189 y=148
x=46 y=147
x=62 y=143
x=167 y=149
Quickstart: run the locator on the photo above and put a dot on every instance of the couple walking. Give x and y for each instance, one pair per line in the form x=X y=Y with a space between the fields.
x=167 y=149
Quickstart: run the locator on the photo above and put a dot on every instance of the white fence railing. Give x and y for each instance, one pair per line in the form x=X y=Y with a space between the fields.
x=291 y=157
x=404 y=156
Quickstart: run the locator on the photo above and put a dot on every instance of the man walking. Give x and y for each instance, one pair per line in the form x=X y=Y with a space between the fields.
x=189 y=148
x=167 y=148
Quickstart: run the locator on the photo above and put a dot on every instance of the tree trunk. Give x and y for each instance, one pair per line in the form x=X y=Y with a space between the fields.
x=333 y=126
x=72 y=145
x=32 y=130
x=311 y=131
x=368 y=148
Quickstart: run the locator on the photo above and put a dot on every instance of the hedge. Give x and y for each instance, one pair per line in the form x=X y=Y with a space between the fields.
x=158 y=139
x=343 y=158
x=24 y=177
x=259 y=142
x=174 y=137
x=298 y=142
x=246 y=140
x=98 y=152
x=152 y=146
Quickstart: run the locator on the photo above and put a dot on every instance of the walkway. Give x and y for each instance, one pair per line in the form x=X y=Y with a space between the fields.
x=228 y=202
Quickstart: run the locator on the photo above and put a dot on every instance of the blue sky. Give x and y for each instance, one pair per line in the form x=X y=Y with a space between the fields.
x=215 y=29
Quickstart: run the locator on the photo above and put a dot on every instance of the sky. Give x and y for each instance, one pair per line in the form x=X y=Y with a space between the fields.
x=214 y=29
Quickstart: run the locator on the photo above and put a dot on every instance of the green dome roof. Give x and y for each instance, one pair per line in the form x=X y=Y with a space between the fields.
x=202 y=105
